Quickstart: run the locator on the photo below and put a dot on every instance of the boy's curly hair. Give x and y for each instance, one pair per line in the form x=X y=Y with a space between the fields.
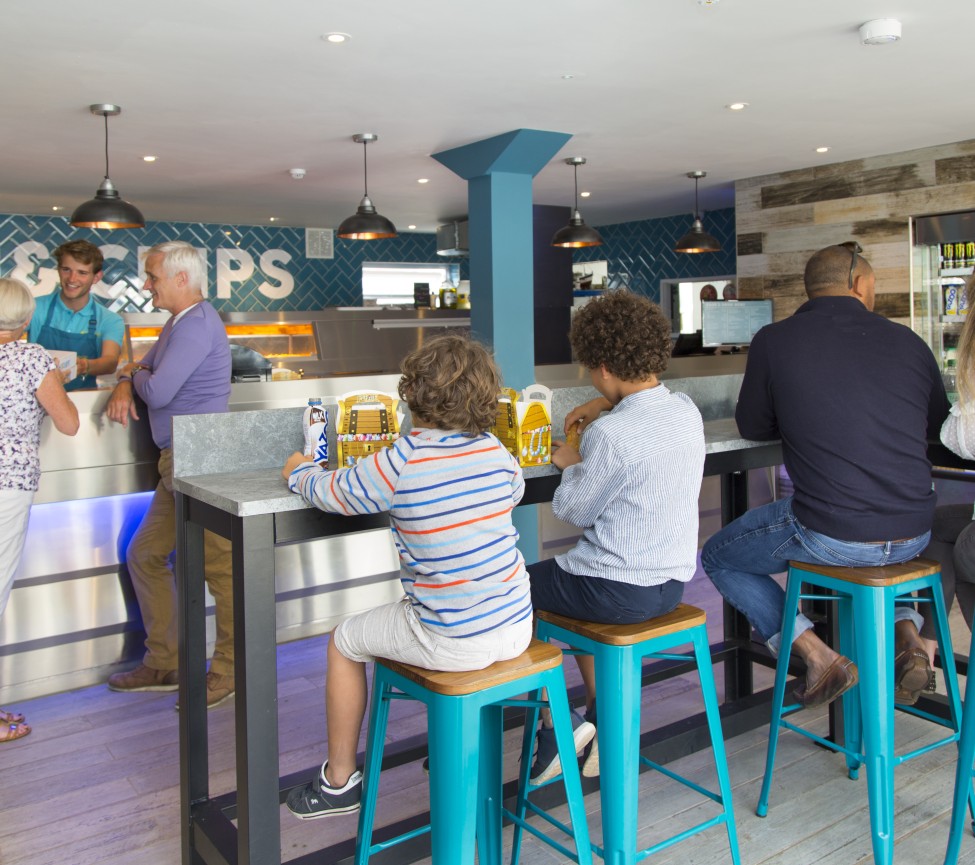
x=453 y=383
x=625 y=332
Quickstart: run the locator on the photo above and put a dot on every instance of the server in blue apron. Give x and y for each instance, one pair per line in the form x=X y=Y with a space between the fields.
x=72 y=320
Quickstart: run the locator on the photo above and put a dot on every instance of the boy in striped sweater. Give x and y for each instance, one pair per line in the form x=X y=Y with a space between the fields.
x=449 y=488
x=632 y=486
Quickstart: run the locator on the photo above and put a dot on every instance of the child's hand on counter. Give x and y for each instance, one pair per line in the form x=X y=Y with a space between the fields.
x=564 y=455
x=295 y=460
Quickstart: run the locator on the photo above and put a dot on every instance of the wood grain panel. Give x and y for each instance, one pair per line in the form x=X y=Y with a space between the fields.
x=842 y=186
x=955 y=169
x=893 y=304
x=750 y=244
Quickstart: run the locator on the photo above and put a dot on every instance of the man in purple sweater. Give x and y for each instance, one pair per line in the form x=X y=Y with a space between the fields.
x=187 y=371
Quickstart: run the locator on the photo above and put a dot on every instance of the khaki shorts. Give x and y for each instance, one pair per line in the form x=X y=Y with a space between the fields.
x=393 y=631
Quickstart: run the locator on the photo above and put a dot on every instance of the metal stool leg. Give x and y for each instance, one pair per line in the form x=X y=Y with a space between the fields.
x=778 y=692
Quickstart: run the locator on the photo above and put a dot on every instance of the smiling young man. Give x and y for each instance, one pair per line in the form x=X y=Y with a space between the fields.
x=72 y=320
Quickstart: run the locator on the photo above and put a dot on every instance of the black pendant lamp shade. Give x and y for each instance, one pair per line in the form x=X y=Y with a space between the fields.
x=107 y=209
x=365 y=223
x=576 y=234
x=697 y=239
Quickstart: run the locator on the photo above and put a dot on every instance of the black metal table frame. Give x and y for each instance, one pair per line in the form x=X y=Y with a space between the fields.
x=207 y=833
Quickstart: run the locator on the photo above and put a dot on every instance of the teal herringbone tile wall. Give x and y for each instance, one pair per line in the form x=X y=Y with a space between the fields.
x=266 y=261
x=267 y=269
x=642 y=253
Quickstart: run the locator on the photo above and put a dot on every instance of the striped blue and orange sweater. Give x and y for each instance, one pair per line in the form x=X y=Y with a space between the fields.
x=449 y=499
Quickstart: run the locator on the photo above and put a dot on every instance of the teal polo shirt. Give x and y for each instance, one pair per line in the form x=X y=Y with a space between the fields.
x=108 y=324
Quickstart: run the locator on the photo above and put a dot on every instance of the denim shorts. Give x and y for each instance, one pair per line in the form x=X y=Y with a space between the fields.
x=596 y=599
x=394 y=631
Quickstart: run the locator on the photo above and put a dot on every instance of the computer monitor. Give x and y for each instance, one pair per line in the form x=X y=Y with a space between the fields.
x=733 y=322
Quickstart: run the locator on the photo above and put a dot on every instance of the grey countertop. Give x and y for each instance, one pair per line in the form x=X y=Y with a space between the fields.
x=254 y=492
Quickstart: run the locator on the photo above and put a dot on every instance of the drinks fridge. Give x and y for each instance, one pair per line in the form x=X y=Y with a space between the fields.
x=942 y=257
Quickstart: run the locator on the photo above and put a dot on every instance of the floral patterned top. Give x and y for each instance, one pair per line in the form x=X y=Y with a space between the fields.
x=23 y=366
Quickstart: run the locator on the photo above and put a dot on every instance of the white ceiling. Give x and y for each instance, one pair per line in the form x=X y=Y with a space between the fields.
x=230 y=95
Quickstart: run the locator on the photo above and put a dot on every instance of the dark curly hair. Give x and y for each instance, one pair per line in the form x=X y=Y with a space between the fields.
x=453 y=383
x=625 y=332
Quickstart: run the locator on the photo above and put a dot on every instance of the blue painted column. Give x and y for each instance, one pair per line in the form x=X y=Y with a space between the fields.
x=499 y=173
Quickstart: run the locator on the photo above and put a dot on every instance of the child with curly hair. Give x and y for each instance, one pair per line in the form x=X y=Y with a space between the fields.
x=632 y=487
x=449 y=488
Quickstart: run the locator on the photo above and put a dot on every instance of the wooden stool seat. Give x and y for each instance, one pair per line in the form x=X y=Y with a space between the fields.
x=877 y=575
x=537 y=657
x=679 y=619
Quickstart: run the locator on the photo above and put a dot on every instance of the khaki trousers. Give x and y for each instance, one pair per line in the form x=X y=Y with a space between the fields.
x=148 y=560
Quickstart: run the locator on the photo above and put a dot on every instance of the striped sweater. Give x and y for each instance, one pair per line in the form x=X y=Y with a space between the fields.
x=449 y=499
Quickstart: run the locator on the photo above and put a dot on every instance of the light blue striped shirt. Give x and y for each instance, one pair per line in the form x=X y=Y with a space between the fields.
x=635 y=493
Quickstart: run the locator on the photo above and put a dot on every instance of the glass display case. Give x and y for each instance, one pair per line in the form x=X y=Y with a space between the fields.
x=942 y=258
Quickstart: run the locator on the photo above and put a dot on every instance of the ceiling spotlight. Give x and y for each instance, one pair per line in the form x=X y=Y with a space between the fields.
x=107 y=209
x=697 y=239
x=366 y=223
x=708 y=3
x=149 y=158
x=737 y=106
x=423 y=180
x=822 y=150
x=57 y=207
x=880 y=31
x=411 y=227
x=336 y=38
x=297 y=173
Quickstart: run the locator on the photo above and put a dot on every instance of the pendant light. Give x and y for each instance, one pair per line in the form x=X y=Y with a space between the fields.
x=107 y=209
x=697 y=239
x=576 y=234
x=366 y=224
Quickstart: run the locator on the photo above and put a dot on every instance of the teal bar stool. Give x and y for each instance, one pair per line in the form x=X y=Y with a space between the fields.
x=963 y=771
x=618 y=652
x=866 y=598
x=465 y=727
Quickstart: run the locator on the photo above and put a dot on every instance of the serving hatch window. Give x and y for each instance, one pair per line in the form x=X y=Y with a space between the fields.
x=391 y=284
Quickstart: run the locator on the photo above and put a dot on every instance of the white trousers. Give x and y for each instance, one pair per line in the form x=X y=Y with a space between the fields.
x=14 y=513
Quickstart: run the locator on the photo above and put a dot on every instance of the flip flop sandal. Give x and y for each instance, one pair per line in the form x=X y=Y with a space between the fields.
x=11 y=717
x=14 y=732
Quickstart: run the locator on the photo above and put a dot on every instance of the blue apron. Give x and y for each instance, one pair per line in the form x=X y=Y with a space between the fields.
x=85 y=344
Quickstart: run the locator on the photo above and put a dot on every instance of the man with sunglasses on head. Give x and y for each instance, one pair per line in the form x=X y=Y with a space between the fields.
x=854 y=398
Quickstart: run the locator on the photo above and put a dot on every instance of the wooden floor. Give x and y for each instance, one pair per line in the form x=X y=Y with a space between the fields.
x=96 y=782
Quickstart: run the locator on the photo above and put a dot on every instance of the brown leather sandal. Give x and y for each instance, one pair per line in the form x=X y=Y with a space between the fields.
x=11 y=717
x=12 y=732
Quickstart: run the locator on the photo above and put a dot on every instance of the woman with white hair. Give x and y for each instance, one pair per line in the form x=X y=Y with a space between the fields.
x=30 y=387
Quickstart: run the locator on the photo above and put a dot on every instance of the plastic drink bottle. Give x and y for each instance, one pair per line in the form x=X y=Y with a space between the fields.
x=316 y=431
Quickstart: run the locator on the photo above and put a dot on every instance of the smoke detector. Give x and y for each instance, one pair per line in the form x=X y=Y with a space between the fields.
x=297 y=173
x=880 y=31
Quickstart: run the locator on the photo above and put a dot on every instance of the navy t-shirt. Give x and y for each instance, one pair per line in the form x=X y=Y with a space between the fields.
x=854 y=398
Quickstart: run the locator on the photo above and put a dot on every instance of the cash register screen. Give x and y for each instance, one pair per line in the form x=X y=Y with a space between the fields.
x=733 y=322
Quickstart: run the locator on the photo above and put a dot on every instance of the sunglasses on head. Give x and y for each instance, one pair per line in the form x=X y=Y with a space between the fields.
x=855 y=249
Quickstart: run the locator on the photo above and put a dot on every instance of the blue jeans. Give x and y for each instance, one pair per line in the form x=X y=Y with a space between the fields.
x=740 y=558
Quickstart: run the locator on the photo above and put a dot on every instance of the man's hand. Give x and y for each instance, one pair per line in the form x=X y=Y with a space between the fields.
x=295 y=460
x=121 y=404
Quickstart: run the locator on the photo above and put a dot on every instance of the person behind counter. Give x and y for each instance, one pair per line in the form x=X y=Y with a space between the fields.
x=449 y=487
x=72 y=320
x=953 y=532
x=30 y=387
x=854 y=398
x=638 y=467
x=187 y=371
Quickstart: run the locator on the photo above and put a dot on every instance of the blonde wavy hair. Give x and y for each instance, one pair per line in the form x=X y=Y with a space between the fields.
x=966 y=351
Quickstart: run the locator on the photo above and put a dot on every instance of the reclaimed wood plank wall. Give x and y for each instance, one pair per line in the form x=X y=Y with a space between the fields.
x=782 y=219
